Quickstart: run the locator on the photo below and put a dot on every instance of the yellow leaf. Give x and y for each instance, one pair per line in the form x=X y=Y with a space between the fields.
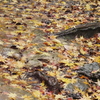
x=97 y=95
x=67 y=81
x=42 y=84
x=98 y=45
x=37 y=51
x=10 y=53
x=51 y=30
x=5 y=66
x=20 y=27
x=51 y=73
x=90 y=44
x=12 y=95
x=47 y=48
x=52 y=36
x=98 y=38
x=54 y=47
x=46 y=54
x=25 y=97
x=2 y=58
x=88 y=7
x=66 y=62
x=97 y=59
x=61 y=56
x=20 y=47
x=1 y=42
x=19 y=82
x=56 y=41
x=59 y=96
x=11 y=78
x=47 y=43
x=20 y=64
x=66 y=27
x=82 y=51
x=81 y=38
x=36 y=94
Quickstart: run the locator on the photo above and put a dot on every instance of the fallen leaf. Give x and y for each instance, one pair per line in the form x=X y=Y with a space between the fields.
x=36 y=94
x=20 y=64
x=26 y=97
x=59 y=96
x=12 y=95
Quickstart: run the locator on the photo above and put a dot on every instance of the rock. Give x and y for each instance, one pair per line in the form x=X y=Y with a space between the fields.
x=34 y=63
x=91 y=71
x=6 y=89
x=71 y=90
x=11 y=53
x=17 y=56
x=50 y=81
x=75 y=95
x=39 y=58
x=80 y=84
x=7 y=52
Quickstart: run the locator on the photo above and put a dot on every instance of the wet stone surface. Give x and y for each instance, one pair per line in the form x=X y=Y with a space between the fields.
x=79 y=84
x=91 y=71
x=7 y=89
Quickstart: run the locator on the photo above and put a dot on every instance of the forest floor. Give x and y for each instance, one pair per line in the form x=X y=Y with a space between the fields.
x=35 y=64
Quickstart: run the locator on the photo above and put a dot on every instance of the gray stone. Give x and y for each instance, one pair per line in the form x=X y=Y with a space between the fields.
x=34 y=63
x=80 y=84
x=90 y=70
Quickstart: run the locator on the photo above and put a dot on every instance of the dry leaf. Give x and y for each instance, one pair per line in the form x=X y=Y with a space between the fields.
x=25 y=97
x=12 y=95
x=20 y=64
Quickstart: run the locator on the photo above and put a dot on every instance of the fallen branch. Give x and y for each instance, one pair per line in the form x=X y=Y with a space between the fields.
x=87 y=29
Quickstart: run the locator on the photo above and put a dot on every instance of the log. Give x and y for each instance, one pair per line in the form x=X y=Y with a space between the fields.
x=86 y=30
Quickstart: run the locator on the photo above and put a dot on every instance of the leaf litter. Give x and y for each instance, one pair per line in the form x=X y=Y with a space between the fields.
x=52 y=80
